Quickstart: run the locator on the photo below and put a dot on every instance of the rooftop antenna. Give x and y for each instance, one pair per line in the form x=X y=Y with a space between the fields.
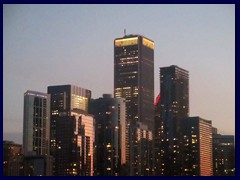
x=124 y=32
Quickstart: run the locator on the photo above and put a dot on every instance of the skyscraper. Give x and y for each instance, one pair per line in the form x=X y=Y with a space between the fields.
x=174 y=89
x=85 y=141
x=174 y=105
x=73 y=144
x=158 y=137
x=36 y=134
x=223 y=155
x=134 y=76
x=36 y=123
x=66 y=98
x=110 y=122
x=196 y=147
x=134 y=81
x=72 y=130
x=142 y=153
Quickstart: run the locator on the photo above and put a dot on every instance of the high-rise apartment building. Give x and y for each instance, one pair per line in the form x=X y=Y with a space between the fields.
x=72 y=130
x=36 y=123
x=196 y=147
x=174 y=105
x=110 y=142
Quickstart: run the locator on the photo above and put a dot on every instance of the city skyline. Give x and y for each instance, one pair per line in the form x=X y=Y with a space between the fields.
x=47 y=45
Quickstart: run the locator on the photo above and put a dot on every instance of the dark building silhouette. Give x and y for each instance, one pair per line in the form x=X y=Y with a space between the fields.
x=65 y=148
x=38 y=165
x=12 y=159
x=214 y=130
x=174 y=105
x=223 y=155
x=110 y=121
x=73 y=145
x=72 y=130
x=195 y=147
x=134 y=81
x=142 y=152
x=158 y=137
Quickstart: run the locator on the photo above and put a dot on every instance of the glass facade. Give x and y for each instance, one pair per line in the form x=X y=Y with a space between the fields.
x=110 y=119
x=73 y=144
x=174 y=89
x=85 y=128
x=67 y=98
x=134 y=78
x=72 y=130
x=173 y=106
x=80 y=98
x=36 y=123
x=134 y=81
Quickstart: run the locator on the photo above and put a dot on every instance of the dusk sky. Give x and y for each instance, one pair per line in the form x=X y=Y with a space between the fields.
x=73 y=44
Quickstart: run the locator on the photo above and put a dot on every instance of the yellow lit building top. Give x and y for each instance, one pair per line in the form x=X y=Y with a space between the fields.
x=126 y=42
x=133 y=41
x=148 y=43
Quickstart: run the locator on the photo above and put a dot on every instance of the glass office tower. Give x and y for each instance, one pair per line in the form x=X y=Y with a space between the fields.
x=36 y=123
x=134 y=76
x=110 y=119
x=72 y=130
x=134 y=81
x=174 y=105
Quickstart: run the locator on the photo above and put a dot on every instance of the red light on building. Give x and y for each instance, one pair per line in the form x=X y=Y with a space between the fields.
x=157 y=100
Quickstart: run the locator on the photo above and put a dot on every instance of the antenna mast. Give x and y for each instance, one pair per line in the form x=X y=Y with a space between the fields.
x=124 y=32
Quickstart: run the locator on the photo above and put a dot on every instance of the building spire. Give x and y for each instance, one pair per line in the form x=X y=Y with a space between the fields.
x=124 y=32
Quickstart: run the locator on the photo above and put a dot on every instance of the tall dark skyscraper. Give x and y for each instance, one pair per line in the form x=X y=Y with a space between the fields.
x=158 y=137
x=134 y=76
x=110 y=122
x=73 y=144
x=134 y=81
x=72 y=130
x=174 y=92
x=174 y=105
